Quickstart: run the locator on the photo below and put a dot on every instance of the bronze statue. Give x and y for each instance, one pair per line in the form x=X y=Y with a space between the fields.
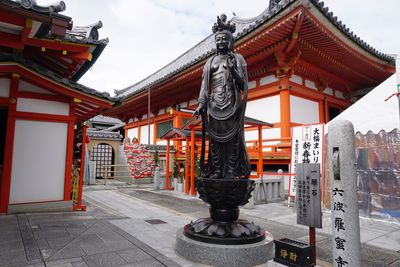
x=224 y=182
x=222 y=103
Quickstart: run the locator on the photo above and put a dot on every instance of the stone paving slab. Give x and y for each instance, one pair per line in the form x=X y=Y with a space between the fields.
x=380 y=237
x=113 y=232
x=73 y=239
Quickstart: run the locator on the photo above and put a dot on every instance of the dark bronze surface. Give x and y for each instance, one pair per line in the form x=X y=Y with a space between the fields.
x=224 y=182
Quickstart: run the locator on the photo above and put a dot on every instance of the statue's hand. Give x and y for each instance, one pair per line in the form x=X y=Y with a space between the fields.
x=198 y=111
x=231 y=62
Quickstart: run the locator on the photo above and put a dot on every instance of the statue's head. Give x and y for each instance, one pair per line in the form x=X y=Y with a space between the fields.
x=223 y=33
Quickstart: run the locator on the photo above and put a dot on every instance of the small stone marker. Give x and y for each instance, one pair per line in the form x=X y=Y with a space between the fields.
x=308 y=195
x=344 y=206
x=156 y=179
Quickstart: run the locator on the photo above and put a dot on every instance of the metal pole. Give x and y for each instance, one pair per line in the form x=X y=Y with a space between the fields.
x=148 y=118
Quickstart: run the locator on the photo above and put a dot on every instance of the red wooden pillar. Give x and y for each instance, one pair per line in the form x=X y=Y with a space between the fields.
x=326 y=111
x=9 y=146
x=187 y=167
x=260 y=152
x=285 y=112
x=79 y=205
x=321 y=111
x=70 y=152
x=192 y=167
x=167 y=167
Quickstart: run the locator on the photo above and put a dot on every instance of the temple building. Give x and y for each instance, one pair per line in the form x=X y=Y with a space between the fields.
x=304 y=67
x=42 y=56
x=104 y=142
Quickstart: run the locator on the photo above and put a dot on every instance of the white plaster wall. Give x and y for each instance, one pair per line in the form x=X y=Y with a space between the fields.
x=144 y=134
x=328 y=91
x=252 y=84
x=266 y=134
x=162 y=142
x=42 y=106
x=268 y=79
x=339 y=94
x=296 y=79
x=133 y=132
x=310 y=84
x=303 y=111
x=28 y=87
x=38 y=164
x=265 y=109
x=4 y=87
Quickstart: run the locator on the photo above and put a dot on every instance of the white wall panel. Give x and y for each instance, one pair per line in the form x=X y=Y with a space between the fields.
x=339 y=94
x=296 y=79
x=310 y=84
x=133 y=133
x=144 y=133
x=266 y=134
x=265 y=109
x=4 y=87
x=28 y=87
x=328 y=91
x=252 y=84
x=303 y=111
x=162 y=142
x=42 y=106
x=38 y=164
x=268 y=79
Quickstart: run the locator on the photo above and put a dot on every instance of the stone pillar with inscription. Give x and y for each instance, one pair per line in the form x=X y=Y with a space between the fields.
x=344 y=206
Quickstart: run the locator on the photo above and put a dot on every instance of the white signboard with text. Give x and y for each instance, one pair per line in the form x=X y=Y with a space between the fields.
x=307 y=147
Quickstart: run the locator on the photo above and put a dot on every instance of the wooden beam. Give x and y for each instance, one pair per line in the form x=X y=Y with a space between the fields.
x=9 y=145
x=295 y=32
x=167 y=166
x=53 y=86
x=58 y=45
x=11 y=18
x=40 y=96
x=187 y=167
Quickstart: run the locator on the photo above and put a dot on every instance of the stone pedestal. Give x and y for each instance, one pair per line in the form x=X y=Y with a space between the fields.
x=224 y=255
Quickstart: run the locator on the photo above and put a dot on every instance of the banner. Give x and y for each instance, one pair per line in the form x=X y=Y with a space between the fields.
x=307 y=147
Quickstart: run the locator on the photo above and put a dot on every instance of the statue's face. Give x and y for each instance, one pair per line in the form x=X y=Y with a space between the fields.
x=222 y=41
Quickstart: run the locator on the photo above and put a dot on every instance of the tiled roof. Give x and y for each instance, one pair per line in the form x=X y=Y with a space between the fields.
x=104 y=134
x=31 y=5
x=78 y=34
x=206 y=47
x=158 y=148
x=53 y=76
x=105 y=120
x=87 y=35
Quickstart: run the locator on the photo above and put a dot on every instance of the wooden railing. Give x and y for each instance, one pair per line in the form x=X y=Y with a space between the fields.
x=275 y=147
x=271 y=148
x=115 y=172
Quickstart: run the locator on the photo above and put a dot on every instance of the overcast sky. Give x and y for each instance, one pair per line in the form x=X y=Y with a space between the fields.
x=145 y=35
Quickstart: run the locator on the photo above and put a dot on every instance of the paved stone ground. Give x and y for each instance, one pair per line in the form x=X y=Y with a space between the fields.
x=127 y=226
x=72 y=239
x=278 y=220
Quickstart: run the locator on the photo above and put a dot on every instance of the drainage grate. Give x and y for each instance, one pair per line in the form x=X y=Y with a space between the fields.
x=155 y=221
